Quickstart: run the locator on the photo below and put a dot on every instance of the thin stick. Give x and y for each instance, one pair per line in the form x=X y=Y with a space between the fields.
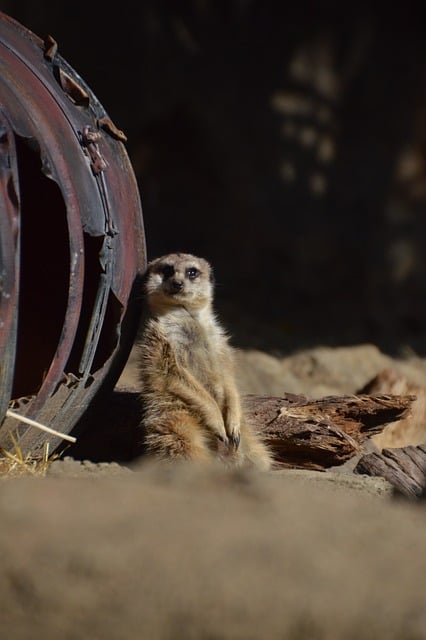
x=33 y=423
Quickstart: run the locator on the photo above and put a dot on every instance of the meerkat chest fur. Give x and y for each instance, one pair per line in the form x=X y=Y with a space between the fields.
x=198 y=342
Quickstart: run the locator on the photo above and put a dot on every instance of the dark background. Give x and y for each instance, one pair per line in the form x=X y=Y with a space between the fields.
x=286 y=143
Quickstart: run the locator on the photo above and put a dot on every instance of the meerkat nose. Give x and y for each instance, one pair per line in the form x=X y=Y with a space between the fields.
x=176 y=285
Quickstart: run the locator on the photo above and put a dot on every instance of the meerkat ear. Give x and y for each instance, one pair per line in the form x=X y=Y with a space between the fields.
x=146 y=274
x=151 y=264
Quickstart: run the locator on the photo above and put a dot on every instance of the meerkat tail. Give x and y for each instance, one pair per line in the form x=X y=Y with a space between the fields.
x=254 y=451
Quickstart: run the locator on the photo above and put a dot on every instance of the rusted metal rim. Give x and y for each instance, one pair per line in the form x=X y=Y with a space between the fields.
x=72 y=245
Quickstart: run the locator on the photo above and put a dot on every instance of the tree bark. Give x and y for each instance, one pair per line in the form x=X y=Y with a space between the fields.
x=404 y=468
x=318 y=434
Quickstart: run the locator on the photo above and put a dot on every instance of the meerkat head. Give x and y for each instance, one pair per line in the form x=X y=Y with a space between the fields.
x=178 y=279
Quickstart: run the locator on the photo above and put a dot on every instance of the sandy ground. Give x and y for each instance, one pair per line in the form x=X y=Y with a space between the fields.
x=151 y=551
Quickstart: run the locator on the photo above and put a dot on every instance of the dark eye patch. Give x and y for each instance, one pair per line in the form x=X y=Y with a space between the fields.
x=167 y=270
x=192 y=273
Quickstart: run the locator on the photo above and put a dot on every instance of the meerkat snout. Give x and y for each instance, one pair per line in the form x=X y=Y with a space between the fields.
x=175 y=285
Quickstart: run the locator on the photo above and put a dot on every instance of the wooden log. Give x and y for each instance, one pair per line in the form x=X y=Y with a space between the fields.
x=404 y=468
x=318 y=434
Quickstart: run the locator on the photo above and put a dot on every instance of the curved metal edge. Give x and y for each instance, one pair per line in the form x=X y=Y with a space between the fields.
x=9 y=260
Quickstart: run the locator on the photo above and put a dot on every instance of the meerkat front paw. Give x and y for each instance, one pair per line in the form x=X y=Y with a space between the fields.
x=229 y=435
x=235 y=440
x=223 y=438
x=234 y=435
x=218 y=429
x=233 y=427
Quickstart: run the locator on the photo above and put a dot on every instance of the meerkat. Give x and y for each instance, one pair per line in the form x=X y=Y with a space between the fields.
x=191 y=406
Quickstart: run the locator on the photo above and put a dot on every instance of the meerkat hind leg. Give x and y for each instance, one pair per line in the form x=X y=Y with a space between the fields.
x=178 y=437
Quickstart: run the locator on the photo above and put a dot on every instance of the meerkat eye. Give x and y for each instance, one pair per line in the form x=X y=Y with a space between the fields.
x=192 y=273
x=167 y=271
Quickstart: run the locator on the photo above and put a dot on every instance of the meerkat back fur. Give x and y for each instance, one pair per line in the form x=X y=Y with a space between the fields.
x=191 y=407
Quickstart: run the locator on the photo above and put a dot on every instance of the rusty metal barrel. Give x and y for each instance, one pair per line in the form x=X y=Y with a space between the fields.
x=72 y=244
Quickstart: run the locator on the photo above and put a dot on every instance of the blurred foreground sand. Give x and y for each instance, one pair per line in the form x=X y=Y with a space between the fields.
x=162 y=552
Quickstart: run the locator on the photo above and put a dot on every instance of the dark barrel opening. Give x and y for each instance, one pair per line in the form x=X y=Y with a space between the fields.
x=44 y=271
